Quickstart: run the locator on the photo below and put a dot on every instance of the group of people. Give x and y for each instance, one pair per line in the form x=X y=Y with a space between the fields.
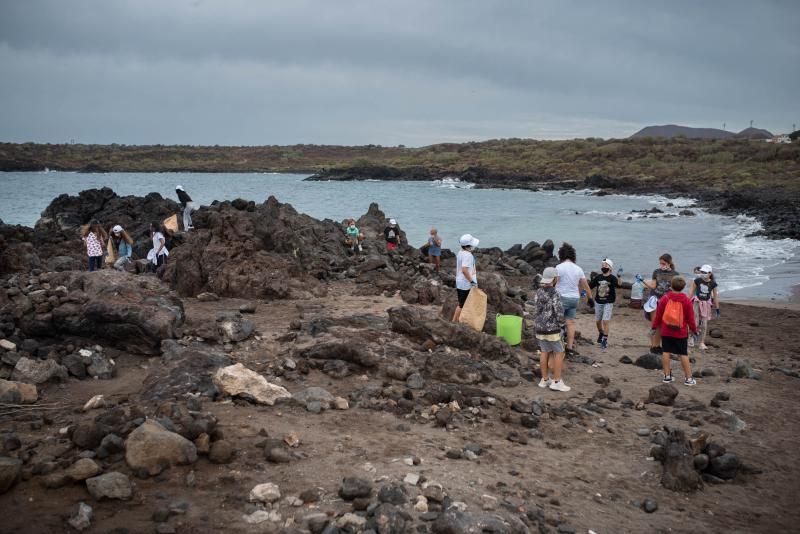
x=115 y=247
x=392 y=237
x=671 y=313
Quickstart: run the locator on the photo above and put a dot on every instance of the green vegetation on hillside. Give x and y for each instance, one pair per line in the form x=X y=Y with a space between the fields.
x=707 y=164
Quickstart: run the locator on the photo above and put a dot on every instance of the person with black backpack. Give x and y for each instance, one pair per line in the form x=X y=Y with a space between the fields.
x=675 y=318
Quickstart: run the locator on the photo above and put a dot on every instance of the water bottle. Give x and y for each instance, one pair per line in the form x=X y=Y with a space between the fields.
x=637 y=289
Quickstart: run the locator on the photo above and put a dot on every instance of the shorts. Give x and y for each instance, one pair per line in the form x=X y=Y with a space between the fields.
x=434 y=252
x=391 y=246
x=462 y=296
x=602 y=312
x=550 y=346
x=675 y=345
x=570 y=307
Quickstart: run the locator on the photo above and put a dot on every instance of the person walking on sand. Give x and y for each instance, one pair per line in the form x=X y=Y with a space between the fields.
x=123 y=247
x=466 y=273
x=548 y=323
x=659 y=286
x=392 y=235
x=158 y=254
x=187 y=206
x=353 y=235
x=435 y=249
x=94 y=238
x=703 y=293
x=605 y=285
x=571 y=280
x=674 y=319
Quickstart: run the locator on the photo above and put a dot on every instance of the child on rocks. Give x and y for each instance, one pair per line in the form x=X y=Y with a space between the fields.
x=605 y=295
x=94 y=237
x=674 y=317
x=703 y=293
x=548 y=323
x=353 y=234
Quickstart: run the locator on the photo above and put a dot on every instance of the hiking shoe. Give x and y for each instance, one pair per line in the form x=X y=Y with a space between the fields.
x=559 y=385
x=667 y=379
x=690 y=382
x=656 y=350
x=703 y=346
x=571 y=352
x=604 y=343
x=600 y=337
x=691 y=341
x=544 y=383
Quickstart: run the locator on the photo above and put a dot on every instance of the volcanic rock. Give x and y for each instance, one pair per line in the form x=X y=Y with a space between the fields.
x=10 y=469
x=237 y=380
x=152 y=448
x=663 y=394
x=38 y=371
x=112 y=485
x=17 y=392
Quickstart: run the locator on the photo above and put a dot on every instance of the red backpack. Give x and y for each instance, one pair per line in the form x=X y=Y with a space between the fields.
x=673 y=314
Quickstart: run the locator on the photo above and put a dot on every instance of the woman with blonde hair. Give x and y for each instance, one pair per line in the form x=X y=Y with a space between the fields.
x=121 y=245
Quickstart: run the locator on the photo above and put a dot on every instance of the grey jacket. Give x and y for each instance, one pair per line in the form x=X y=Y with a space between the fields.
x=549 y=314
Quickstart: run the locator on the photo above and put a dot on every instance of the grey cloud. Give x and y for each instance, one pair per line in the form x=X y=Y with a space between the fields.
x=360 y=72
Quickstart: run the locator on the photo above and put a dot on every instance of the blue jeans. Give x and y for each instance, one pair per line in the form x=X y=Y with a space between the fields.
x=570 y=307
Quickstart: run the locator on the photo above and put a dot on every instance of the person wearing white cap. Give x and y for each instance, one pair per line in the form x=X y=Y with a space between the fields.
x=392 y=235
x=548 y=322
x=605 y=285
x=123 y=247
x=187 y=206
x=466 y=273
x=703 y=293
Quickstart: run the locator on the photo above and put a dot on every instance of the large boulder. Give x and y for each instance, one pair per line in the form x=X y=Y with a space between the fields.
x=10 y=469
x=38 y=371
x=151 y=448
x=239 y=381
x=130 y=313
x=17 y=392
x=423 y=325
x=112 y=485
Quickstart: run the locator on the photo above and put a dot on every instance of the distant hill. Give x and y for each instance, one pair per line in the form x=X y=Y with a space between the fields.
x=674 y=130
x=754 y=133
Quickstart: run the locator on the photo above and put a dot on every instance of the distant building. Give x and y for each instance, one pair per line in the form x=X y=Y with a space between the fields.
x=781 y=139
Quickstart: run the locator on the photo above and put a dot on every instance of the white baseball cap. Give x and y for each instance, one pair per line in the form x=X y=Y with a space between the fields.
x=117 y=229
x=705 y=268
x=651 y=304
x=549 y=275
x=179 y=187
x=468 y=241
x=609 y=262
x=392 y=222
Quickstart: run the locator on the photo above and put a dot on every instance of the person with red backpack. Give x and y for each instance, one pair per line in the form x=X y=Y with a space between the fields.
x=675 y=318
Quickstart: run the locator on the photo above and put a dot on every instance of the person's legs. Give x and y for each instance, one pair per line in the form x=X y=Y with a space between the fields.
x=558 y=365
x=703 y=331
x=457 y=314
x=91 y=263
x=655 y=342
x=666 y=363
x=570 y=333
x=687 y=367
x=605 y=327
x=437 y=262
x=121 y=262
x=544 y=360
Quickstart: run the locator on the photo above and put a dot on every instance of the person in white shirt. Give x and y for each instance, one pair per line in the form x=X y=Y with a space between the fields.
x=571 y=281
x=466 y=275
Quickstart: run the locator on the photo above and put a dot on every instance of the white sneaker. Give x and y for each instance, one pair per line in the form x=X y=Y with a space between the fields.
x=703 y=346
x=559 y=385
x=544 y=383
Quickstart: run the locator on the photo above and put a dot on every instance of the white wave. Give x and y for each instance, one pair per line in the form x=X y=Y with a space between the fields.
x=453 y=183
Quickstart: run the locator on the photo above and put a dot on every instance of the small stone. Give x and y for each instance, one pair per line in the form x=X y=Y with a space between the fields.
x=261 y=516
x=267 y=492
x=626 y=360
x=83 y=519
x=292 y=439
x=352 y=487
x=415 y=381
x=98 y=401
x=488 y=502
x=82 y=469
x=248 y=307
x=421 y=505
x=203 y=443
x=701 y=462
x=113 y=485
x=649 y=505
x=412 y=479
x=207 y=297
x=221 y=452
x=10 y=469
x=643 y=432
x=8 y=345
x=663 y=394
x=277 y=455
x=341 y=403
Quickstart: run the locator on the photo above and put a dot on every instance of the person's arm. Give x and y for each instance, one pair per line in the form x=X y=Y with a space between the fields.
x=161 y=245
x=692 y=289
x=559 y=306
x=651 y=283
x=585 y=285
x=715 y=296
x=688 y=311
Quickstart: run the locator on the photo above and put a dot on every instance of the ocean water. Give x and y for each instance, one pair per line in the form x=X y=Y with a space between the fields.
x=746 y=267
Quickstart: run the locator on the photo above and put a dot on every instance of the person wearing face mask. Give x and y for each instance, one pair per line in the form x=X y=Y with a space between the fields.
x=660 y=285
x=122 y=245
x=353 y=237
x=704 y=295
x=605 y=295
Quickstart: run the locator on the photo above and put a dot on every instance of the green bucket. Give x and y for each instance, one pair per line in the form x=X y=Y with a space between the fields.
x=509 y=327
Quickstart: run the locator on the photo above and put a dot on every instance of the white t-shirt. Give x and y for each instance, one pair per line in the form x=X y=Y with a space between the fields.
x=569 y=275
x=465 y=259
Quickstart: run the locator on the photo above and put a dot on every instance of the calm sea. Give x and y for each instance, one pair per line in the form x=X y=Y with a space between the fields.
x=746 y=267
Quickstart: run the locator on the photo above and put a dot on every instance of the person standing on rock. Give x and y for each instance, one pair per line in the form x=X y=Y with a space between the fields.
x=704 y=295
x=94 y=238
x=674 y=319
x=392 y=235
x=466 y=273
x=158 y=254
x=659 y=286
x=548 y=324
x=123 y=247
x=571 y=281
x=186 y=206
x=435 y=249
x=353 y=236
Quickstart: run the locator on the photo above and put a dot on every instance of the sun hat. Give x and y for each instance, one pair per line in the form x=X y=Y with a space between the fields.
x=705 y=268
x=651 y=304
x=392 y=222
x=117 y=229
x=549 y=275
x=180 y=187
x=468 y=241
x=609 y=262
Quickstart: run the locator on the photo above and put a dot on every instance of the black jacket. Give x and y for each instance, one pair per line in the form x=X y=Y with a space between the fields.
x=184 y=197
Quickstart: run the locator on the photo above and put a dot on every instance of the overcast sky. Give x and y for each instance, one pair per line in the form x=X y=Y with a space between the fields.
x=413 y=72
